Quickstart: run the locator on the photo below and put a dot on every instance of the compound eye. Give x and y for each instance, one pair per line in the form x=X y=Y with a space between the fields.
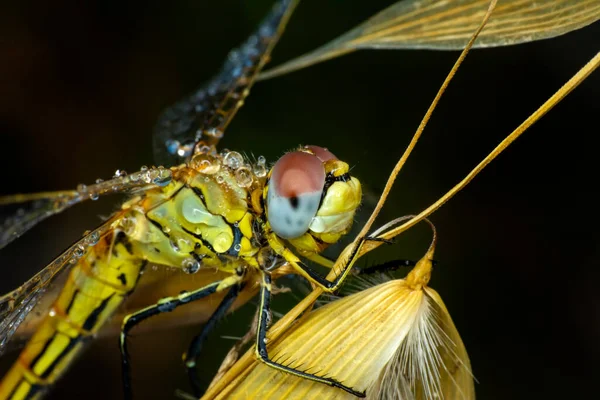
x=294 y=194
x=322 y=153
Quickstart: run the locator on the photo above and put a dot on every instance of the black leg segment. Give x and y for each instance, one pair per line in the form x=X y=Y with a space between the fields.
x=164 y=305
x=261 y=345
x=191 y=356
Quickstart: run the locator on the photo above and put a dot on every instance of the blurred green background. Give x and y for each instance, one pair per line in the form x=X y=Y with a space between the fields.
x=82 y=84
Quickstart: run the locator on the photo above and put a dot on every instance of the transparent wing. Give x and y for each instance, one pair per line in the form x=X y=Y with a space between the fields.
x=448 y=25
x=200 y=119
x=33 y=208
x=36 y=207
x=16 y=305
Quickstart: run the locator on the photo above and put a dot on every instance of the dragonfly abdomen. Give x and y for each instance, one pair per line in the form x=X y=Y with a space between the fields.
x=96 y=287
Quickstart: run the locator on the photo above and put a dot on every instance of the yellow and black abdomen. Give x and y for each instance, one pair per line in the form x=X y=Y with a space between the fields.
x=96 y=287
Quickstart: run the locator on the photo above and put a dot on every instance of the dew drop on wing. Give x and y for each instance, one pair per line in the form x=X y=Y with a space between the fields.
x=214 y=132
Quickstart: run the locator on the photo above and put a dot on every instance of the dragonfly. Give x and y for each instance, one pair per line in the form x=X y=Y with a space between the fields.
x=173 y=137
x=215 y=210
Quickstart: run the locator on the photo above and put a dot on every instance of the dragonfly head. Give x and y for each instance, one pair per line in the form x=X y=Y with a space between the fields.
x=311 y=198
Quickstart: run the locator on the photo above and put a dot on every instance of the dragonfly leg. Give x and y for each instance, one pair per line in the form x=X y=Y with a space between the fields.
x=261 y=343
x=164 y=305
x=190 y=357
x=321 y=281
x=387 y=266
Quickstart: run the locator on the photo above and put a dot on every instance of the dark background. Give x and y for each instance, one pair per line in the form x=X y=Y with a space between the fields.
x=81 y=86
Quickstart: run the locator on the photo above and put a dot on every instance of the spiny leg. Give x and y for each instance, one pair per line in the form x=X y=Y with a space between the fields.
x=387 y=266
x=190 y=357
x=166 y=304
x=261 y=343
x=321 y=281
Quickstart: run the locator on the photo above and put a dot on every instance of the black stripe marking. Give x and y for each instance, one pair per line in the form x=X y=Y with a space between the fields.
x=66 y=350
x=123 y=279
x=42 y=352
x=197 y=257
x=124 y=240
x=159 y=226
x=139 y=275
x=234 y=250
x=75 y=294
x=200 y=238
x=91 y=320
x=199 y=193
x=330 y=179
x=33 y=389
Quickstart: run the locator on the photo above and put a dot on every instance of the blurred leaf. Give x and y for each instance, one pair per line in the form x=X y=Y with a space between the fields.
x=448 y=25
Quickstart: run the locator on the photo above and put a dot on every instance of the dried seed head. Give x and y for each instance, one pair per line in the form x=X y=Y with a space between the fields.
x=395 y=340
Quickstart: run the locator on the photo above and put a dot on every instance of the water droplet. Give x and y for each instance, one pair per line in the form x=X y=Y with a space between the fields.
x=214 y=132
x=93 y=238
x=99 y=180
x=259 y=170
x=94 y=195
x=243 y=176
x=146 y=177
x=119 y=173
x=237 y=247
x=144 y=168
x=52 y=312
x=204 y=149
x=184 y=245
x=81 y=188
x=220 y=179
x=233 y=160
x=261 y=160
x=79 y=251
x=161 y=176
x=206 y=164
x=190 y=265
x=128 y=224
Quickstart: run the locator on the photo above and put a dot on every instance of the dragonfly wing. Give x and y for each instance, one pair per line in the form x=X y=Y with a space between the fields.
x=33 y=209
x=448 y=25
x=36 y=207
x=201 y=118
x=16 y=305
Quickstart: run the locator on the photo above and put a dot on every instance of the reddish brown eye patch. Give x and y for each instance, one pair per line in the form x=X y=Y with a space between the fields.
x=296 y=173
x=322 y=153
x=295 y=190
